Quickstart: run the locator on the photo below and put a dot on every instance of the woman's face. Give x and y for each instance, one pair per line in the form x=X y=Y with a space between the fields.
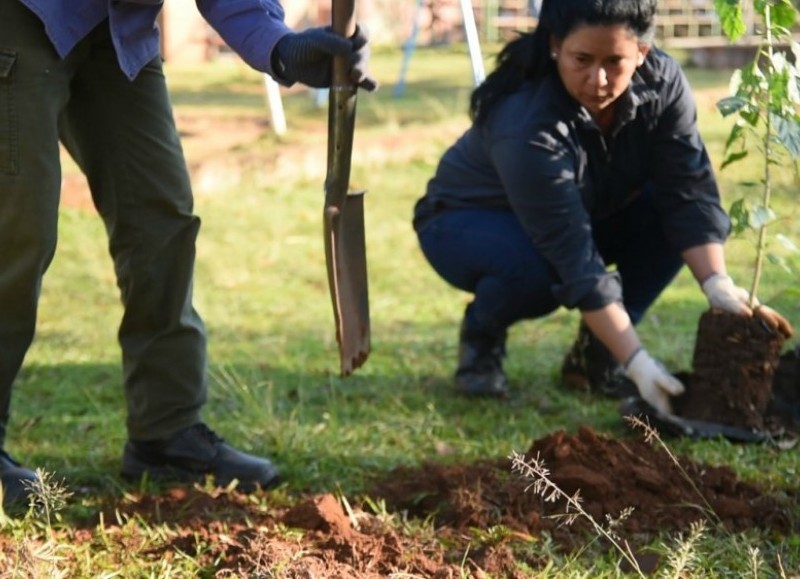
x=596 y=63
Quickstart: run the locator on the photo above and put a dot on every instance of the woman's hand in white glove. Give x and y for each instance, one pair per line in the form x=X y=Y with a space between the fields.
x=722 y=293
x=654 y=382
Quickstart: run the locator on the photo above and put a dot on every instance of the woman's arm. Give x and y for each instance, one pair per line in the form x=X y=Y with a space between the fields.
x=612 y=326
x=705 y=260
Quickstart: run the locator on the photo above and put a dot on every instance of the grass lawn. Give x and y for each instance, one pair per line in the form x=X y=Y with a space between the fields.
x=262 y=290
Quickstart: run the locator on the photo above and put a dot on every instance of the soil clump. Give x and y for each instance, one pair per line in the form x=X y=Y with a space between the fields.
x=483 y=515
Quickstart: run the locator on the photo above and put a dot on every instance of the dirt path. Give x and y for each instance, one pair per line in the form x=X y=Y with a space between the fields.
x=221 y=151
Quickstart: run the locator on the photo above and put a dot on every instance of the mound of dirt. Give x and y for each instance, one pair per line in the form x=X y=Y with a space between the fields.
x=611 y=476
x=337 y=538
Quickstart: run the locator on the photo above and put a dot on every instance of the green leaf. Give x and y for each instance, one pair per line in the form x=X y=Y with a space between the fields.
x=792 y=88
x=784 y=14
x=779 y=261
x=750 y=115
x=779 y=84
x=732 y=158
x=787 y=131
x=736 y=81
x=730 y=105
x=795 y=48
x=761 y=216
x=787 y=243
x=736 y=136
x=740 y=217
x=731 y=18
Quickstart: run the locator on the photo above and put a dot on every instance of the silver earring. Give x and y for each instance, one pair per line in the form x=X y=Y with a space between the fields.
x=554 y=55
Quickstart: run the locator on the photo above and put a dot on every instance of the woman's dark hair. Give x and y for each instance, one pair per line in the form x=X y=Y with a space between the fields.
x=528 y=57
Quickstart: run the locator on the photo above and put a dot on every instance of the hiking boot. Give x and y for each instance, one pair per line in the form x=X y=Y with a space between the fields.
x=590 y=367
x=18 y=483
x=192 y=454
x=480 y=365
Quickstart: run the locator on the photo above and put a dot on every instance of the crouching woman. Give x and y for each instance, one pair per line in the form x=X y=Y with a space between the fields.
x=582 y=183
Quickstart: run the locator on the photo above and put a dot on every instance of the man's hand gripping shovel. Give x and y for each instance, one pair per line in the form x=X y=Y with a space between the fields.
x=345 y=246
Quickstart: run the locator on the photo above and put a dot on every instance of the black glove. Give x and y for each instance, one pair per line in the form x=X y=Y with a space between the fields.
x=306 y=57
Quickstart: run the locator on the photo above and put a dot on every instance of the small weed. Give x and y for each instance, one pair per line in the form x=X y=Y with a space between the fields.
x=542 y=485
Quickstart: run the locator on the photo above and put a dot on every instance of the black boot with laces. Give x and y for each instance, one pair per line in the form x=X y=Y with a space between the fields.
x=17 y=483
x=590 y=367
x=480 y=364
x=192 y=454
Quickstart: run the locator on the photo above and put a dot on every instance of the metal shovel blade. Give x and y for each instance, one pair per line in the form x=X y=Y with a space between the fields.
x=345 y=246
x=346 y=256
x=690 y=428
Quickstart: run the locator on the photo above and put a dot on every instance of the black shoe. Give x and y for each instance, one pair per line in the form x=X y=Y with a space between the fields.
x=590 y=367
x=480 y=365
x=194 y=453
x=18 y=483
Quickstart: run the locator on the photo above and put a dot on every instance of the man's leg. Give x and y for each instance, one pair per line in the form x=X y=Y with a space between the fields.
x=123 y=135
x=33 y=91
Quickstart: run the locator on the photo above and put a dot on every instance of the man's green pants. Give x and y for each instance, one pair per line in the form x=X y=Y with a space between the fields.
x=123 y=136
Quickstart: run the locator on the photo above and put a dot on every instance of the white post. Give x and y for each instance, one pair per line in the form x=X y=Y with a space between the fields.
x=471 y=30
x=275 y=104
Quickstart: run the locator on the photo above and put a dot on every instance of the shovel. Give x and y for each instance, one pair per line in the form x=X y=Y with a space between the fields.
x=343 y=216
x=695 y=429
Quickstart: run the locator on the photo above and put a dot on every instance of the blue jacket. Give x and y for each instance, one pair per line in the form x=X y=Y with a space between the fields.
x=540 y=154
x=250 y=27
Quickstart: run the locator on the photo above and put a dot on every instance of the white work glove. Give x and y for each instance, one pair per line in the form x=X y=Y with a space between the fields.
x=654 y=383
x=722 y=293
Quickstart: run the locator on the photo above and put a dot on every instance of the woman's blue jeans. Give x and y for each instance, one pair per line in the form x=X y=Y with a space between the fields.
x=486 y=252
